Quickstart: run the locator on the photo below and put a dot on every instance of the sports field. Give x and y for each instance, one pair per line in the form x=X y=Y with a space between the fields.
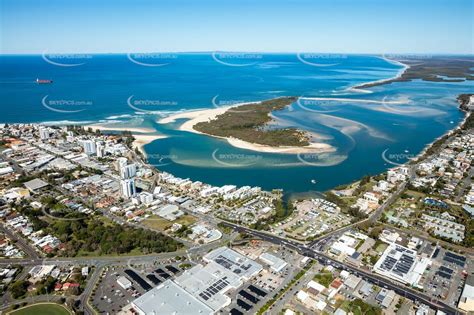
x=42 y=309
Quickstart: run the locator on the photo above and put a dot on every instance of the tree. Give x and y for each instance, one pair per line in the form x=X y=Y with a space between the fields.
x=19 y=288
x=364 y=180
x=375 y=232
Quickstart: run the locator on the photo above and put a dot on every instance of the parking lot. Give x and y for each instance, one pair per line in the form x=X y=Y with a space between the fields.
x=445 y=279
x=110 y=297
x=245 y=300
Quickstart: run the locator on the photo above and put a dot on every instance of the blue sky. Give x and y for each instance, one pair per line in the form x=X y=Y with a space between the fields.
x=339 y=26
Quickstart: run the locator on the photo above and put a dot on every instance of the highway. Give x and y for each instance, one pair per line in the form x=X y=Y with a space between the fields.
x=28 y=249
x=99 y=263
x=305 y=250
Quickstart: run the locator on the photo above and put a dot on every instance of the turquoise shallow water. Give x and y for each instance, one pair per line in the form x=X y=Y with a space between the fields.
x=370 y=130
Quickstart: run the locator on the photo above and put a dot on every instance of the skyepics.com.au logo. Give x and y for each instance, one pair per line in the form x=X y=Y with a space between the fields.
x=398 y=158
x=218 y=102
x=321 y=159
x=66 y=60
x=152 y=59
x=236 y=159
x=148 y=105
x=321 y=60
x=311 y=159
x=65 y=105
x=407 y=56
x=318 y=105
x=158 y=160
x=233 y=59
x=401 y=107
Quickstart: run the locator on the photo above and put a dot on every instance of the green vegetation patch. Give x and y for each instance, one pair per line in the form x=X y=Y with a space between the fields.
x=158 y=223
x=324 y=278
x=359 y=307
x=247 y=122
x=435 y=69
x=381 y=248
x=42 y=309
x=96 y=237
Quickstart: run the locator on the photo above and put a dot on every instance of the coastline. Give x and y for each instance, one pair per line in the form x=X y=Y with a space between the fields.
x=204 y=115
x=448 y=133
x=361 y=87
x=354 y=100
x=96 y=127
x=142 y=140
x=141 y=135
x=195 y=114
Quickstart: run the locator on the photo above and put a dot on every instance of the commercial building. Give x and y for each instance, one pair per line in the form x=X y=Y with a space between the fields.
x=127 y=187
x=89 y=147
x=201 y=289
x=121 y=162
x=100 y=150
x=466 y=301
x=6 y=170
x=44 y=133
x=124 y=282
x=35 y=184
x=275 y=263
x=345 y=245
x=146 y=197
x=401 y=264
x=170 y=212
x=169 y=298
x=315 y=287
x=128 y=171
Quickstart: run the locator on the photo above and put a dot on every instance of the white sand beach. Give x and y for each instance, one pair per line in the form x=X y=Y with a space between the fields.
x=312 y=148
x=198 y=116
x=358 y=87
x=142 y=140
x=195 y=115
x=142 y=135
x=113 y=128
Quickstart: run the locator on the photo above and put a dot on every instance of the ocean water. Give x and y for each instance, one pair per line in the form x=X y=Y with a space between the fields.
x=369 y=130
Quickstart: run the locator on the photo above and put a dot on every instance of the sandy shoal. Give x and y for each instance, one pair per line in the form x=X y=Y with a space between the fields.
x=198 y=116
x=142 y=140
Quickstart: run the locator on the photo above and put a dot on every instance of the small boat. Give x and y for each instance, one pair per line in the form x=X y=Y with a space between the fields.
x=313 y=181
x=43 y=81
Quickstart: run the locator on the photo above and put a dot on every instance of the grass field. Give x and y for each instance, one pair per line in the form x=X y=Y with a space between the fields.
x=381 y=248
x=42 y=309
x=324 y=278
x=160 y=224
x=359 y=307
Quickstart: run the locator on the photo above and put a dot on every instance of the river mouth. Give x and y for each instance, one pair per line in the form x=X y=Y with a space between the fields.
x=359 y=124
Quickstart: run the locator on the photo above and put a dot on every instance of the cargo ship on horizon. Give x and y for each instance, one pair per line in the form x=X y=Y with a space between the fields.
x=43 y=81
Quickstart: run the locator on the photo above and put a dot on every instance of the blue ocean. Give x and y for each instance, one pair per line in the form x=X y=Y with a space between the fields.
x=370 y=130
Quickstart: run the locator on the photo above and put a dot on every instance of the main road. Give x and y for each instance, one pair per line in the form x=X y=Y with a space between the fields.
x=29 y=250
x=305 y=250
x=374 y=216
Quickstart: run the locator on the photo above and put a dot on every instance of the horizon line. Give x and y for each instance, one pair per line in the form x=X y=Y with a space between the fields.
x=244 y=52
